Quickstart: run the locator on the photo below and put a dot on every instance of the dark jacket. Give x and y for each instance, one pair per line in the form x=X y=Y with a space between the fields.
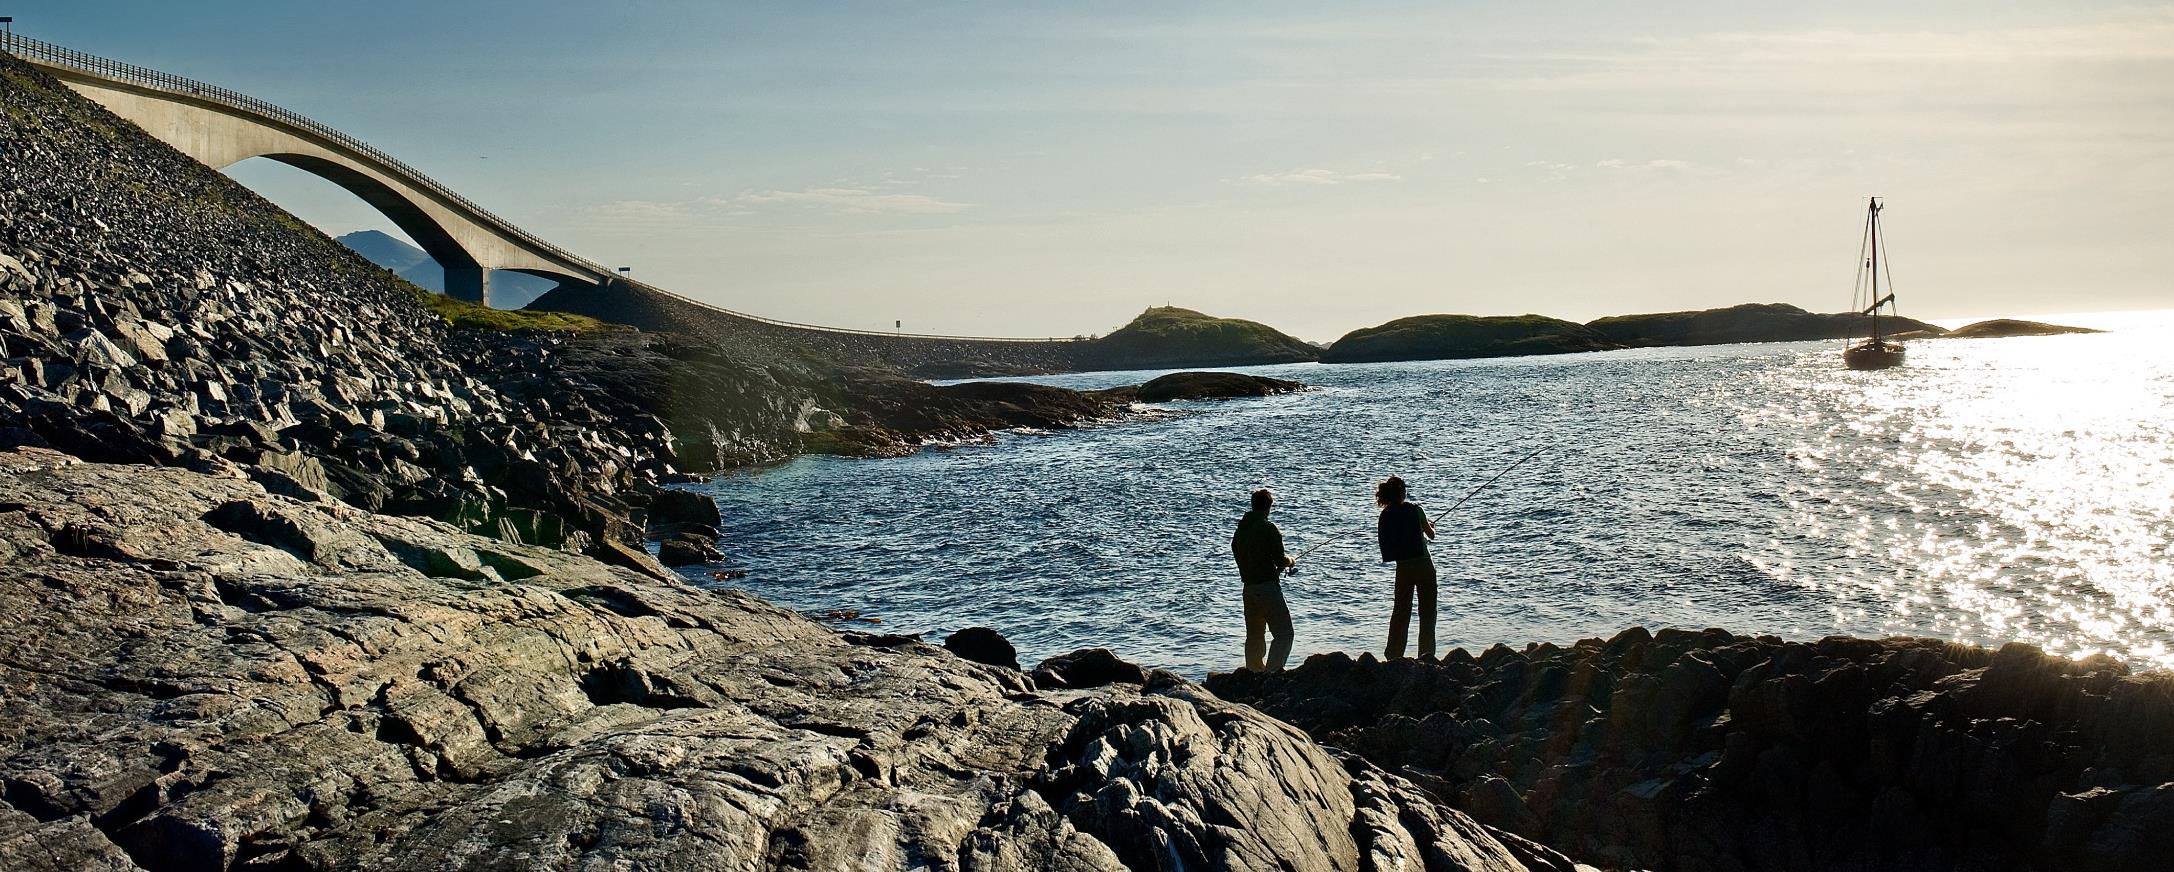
x=1403 y=531
x=1258 y=545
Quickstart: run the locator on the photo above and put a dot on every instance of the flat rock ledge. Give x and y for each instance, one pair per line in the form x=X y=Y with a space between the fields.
x=195 y=674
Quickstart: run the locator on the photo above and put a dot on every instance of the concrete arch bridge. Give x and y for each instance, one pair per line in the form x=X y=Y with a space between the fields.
x=221 y=127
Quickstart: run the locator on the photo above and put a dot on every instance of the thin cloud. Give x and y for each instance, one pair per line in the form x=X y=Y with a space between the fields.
x=1662 y=164
x=1319 y=177
x=847 y=201
x=642 y=211
x=835 y=200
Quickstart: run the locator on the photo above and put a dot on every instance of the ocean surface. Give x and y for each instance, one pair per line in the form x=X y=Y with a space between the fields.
x=1991 y=490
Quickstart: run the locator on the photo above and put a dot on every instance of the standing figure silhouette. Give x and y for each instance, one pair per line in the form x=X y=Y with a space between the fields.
x=1404 y=531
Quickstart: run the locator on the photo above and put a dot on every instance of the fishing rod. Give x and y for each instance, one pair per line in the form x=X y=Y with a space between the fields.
x=1293 y=568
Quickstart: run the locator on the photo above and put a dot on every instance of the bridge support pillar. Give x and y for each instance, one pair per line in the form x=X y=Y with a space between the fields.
x=468 y=283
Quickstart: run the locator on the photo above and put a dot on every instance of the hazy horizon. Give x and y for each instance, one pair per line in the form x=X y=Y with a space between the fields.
x=1019 y=171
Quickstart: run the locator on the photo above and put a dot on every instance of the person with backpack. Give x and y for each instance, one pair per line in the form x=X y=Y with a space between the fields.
x=1258 y=546
x=1404 y=531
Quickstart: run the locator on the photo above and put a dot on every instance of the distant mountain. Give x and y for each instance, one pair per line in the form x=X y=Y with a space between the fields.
x=384 y=250
x=509 y=290
x=1749 y=322
x=1445 y=337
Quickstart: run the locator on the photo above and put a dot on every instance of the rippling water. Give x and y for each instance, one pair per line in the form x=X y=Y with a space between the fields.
x=1992 y=490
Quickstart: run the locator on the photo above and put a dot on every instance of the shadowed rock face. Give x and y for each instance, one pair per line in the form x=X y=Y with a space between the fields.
x=1708 y=751
x=197 y=674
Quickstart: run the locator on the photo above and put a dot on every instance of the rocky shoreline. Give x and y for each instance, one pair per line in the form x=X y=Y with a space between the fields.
x=203 y=675
x=1706 y=750
x=199 y=673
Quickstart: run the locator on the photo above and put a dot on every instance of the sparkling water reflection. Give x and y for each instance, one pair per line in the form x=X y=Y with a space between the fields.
x=1993 y=490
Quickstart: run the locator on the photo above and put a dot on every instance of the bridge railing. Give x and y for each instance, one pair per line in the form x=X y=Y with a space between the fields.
x=113 y=70
x=107 y=68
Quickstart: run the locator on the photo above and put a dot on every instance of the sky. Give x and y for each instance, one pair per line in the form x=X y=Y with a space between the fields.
x=1021 y=169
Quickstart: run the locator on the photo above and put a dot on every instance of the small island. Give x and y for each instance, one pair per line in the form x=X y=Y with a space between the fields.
x=1205 y=386
x=2002 y=328
x=1166 y=336
x=1748 y=322
x=1448 y=337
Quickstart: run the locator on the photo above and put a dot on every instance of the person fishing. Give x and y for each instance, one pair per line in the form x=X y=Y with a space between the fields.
x=1258 y=546
x=1404 y=531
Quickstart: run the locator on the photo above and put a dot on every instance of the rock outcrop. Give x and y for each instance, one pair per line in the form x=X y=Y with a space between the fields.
x=888 y=415
x=199 y=674
x=1708 y=751
x=1206 y=386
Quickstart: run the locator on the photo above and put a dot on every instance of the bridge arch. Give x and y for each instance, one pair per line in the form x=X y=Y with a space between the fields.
x=221 y=128
x=394 y=204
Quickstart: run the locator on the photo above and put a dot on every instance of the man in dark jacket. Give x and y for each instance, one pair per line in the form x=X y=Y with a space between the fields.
x=1405 y=532
x=1258 y=545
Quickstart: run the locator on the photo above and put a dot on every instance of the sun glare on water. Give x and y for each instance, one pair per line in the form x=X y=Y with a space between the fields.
x=2058 y=451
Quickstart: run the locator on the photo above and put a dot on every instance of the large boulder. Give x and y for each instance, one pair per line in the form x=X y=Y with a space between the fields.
x=673 y=506
x=686 y=552
x=1087 y=667
x=983 y=645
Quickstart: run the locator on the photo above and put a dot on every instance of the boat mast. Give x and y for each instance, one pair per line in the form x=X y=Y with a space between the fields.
x=1875 y=267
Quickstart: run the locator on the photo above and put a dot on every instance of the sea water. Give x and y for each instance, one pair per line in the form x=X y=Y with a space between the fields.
x=1990 y=491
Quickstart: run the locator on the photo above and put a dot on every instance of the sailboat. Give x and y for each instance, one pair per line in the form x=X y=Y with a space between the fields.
x=1877 y=351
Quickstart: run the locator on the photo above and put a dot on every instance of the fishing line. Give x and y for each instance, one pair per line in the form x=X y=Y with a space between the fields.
x=1430 y=519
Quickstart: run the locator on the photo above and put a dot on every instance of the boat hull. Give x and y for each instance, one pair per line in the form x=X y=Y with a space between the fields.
x=1873 y=355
